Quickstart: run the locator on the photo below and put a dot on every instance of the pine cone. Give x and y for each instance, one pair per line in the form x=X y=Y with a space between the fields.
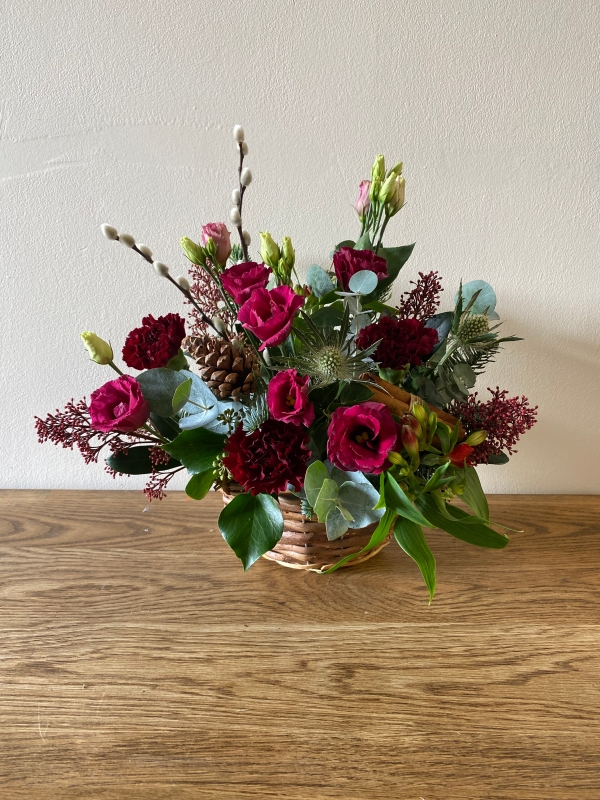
x=227 y=369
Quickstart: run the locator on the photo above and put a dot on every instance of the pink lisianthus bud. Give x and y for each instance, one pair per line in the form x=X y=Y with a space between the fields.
x=217 y=231
x=410 y=441
x=361 y=206
x=287 y=398
x=414 y=424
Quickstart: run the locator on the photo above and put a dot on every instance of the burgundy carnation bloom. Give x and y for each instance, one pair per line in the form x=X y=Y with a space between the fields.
x=347 y=262
x=119 y=405
x=404 y=341
x=360 y=437
x=287 y=398
x=268 y=459
x=241 y=280
x=155 y=343
x=270 y=315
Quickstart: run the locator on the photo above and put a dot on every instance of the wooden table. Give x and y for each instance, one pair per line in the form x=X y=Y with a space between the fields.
x=138 y=660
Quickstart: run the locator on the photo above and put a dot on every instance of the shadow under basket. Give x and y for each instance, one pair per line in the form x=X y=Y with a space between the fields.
x=304 y=543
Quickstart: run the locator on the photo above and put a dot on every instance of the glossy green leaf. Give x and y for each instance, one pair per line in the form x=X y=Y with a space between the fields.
x=474 y=532
x=328 y=316
x=196 y=449
x=396 y=258
x=354 y=393
x=136 y=461
x=498 y=458
x=181 y=396
x=364 y=242
x=396 y=499
x=167 y=427
x=251 y=526
x=473 y=494
x=199 y=485
x=379 y=534
x=410 y=538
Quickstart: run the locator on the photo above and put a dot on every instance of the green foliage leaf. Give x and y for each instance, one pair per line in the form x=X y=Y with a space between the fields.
x=136 y=461
x=473 y=494
x=363 y=282
x=439 y=478
x=336 y=524
x=442 y=323
x=498 y=458
x=196 y=449
x=465 y=375
x=315 y=475
x=326 y=499
x=178 y=362
x=345 y=243
x=354 y=393
x=167 y=427
x=181 y=396
x=158 y=388
x=318 y=280
x=475 y=532
x=251 y=526
x=379 y=534
x=396 y=499
x=329 y=316
x=360 y=499
x=364 y=243
x=410 y=538
x=199 y=485
x=396 y=258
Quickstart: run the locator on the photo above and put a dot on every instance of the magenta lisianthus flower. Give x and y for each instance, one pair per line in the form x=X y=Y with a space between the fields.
x=217 y=231
x=270 y=315
x=119 y=405
x=347 y=262
x=363 y=201
x=287 y=398
x=241 y=280
x=360 y=437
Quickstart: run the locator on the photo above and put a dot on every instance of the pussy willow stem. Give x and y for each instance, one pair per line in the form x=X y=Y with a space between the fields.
x=242 y=190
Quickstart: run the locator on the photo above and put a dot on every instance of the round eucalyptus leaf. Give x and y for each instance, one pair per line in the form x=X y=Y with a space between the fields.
x=363 y=282
x=485 y=300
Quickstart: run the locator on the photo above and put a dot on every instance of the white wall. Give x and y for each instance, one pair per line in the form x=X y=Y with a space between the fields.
x=121 y=111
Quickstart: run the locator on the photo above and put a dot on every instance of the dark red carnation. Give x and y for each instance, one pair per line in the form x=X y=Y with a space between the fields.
x=155 y=343
x=268 y=459
x=347 y=262
x=404 y=341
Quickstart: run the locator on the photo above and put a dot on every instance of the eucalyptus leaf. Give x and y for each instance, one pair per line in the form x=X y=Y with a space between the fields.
x=178 y=362
x=318 y=280
x=203 y=408
x=465 y=374
x=326 y=499
x=442 y=324
x=363 y=282
x=335 y=524
x=485 y=300
x=315 y=475
x=360 y=500
x=181 y=396
x=410 y=538
x=251 y=525
x=159 y=386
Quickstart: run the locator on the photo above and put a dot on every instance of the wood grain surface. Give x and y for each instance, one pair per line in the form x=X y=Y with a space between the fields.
x=139 y=660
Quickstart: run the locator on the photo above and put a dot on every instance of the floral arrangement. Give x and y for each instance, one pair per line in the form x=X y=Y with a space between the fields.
x=319 y=387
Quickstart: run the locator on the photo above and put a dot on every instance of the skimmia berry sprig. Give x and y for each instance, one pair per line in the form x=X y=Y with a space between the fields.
x=317 y=386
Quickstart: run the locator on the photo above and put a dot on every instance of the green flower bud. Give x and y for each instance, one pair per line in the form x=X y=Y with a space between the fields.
x=387 y=189
x=476 y=438
x=396 y=169
x=194 y=252
x=99 y=350
x=396 y=459
x=269 y=250
x=419 y=412
x=396 y=199
x=288 y=253
x=378 y=171
x=210 y=248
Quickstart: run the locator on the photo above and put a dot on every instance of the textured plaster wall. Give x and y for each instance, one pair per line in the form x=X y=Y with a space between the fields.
x=121 y=111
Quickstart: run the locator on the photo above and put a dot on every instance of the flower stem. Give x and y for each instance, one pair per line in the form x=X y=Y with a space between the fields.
x=114 y=366
x=242 y=190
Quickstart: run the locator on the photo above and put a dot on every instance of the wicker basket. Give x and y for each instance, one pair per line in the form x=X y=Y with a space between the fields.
x=304 y=544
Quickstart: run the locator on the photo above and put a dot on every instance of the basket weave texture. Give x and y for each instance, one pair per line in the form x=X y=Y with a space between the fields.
x=304 y=543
